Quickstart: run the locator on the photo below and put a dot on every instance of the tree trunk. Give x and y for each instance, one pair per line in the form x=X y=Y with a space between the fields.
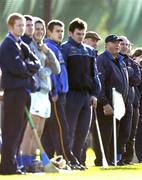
x=47 y=10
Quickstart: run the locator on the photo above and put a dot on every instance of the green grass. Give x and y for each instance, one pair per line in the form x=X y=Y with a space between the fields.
x=131 y=172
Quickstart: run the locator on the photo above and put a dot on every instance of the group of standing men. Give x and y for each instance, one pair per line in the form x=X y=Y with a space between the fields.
x=73 y=78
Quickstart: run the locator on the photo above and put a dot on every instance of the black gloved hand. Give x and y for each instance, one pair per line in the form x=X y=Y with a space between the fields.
x=28 y=54
x=32 y=67
x=25 y=50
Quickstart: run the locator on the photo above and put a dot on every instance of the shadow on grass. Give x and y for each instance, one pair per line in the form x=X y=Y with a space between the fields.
x=129 y=167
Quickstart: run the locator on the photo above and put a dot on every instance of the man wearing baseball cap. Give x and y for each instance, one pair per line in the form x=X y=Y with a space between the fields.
x=113 y=74
x=112 y=38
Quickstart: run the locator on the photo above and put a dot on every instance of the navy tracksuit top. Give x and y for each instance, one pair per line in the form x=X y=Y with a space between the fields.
x=81 y=67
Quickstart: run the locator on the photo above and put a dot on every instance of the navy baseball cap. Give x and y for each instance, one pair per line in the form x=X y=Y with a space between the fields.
x=112 y=38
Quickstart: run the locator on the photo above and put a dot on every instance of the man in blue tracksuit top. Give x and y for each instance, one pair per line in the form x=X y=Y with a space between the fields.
x=113 y=74
x=83 y=85
x=56 y=132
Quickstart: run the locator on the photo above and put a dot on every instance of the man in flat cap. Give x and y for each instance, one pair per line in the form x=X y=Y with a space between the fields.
x=92 y=38
x=113 y=74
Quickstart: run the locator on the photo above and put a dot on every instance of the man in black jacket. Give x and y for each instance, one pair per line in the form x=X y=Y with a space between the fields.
x=92 y=39
x=27 y=37
x=84 y=85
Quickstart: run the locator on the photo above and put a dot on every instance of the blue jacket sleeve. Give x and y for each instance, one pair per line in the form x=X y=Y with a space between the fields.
x=65 y=51
x=54 y=85
x=102 y=75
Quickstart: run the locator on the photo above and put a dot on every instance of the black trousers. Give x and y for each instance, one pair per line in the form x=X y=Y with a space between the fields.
x=55 y=137
x=92 y=131
x=125 y=129
x=106 y=130
x=138 y=143
x=13 y=126
x=130 y=146
x=47 y=139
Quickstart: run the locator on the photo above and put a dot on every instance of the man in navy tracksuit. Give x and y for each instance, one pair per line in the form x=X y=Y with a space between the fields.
x=27 y=37
x=113 y=74
x=83 y=85
x=18 y=65
x=56 y=132
x=137 y=139
x=128 y=123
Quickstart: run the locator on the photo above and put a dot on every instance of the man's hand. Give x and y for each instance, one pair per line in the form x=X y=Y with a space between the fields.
x=54 y=98
x=25 y=49
x=108 y=110
x=93 y=101
x=47 y=62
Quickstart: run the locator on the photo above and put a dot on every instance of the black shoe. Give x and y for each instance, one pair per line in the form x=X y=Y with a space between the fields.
x=128 y=162
x=75 y=167
x=18 y=171
x=85 y=167
x=82 y=167
x=121 y=163
x=98 y=162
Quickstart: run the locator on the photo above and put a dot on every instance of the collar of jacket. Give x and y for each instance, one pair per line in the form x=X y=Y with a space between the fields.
x=26 y=39
x=47 y=40
x=73 y=42
x=12 y=37
x=124 y=55
x=119 y=57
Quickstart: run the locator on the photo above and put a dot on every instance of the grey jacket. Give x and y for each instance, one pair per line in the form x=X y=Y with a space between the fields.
x=45 y=71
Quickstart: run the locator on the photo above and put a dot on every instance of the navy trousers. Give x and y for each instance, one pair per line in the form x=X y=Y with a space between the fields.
x=13 y=126
x=78 y=116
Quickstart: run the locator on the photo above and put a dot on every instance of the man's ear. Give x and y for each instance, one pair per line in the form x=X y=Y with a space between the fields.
x=10 y=28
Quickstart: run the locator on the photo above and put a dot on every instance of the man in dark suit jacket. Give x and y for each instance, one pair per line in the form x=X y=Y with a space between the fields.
x=113 y=74
x=18 y=65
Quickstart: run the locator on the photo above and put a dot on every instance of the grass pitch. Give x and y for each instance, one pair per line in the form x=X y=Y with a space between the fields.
x=131 y=172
